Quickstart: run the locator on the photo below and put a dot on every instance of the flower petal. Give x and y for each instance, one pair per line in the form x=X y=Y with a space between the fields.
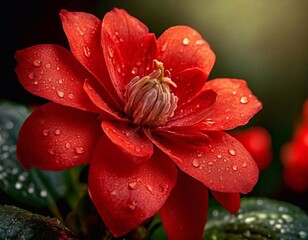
x=92 y=89
x=128 y=48
x=189 y=82
x=182 y=47
x=83 y=32
x=185 y=212
x=126 y=194
x=56 y=137
x=230 y=201
x=195 y=110
x=129 y=139
x=222 y=165
x=52 y=72
x=236 y=104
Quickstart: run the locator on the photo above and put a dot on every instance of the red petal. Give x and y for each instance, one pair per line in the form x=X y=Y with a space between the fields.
x=56 y=137
x=91 y=88
x=185 y=212
x=126 y=194
x=222 y=165
x=182 y=47
x=189 y=82
x=236 y=104
x=129 y=139
x=83 y=32
x=52 y=72
x=126 y=46
x=230 y=201
x=195 y=110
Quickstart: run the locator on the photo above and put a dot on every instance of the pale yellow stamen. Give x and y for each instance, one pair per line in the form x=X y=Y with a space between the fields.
x=149 y=101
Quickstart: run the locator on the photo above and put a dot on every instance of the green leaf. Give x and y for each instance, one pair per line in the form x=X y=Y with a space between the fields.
x=258 y=218
x=16 y=223
x=35 y=187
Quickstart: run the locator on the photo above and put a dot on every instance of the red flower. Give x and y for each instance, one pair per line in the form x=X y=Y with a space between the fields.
x=139 y=111
x=295 y=157
x=258 y=142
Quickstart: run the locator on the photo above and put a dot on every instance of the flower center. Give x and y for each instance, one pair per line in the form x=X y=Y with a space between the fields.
x=149 y=101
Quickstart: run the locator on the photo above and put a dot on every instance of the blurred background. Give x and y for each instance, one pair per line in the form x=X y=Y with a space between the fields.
x=264 y=42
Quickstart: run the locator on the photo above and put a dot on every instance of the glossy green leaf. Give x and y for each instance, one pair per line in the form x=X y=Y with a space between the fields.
x=34 y=187
x=258 y=218
x=16 y=223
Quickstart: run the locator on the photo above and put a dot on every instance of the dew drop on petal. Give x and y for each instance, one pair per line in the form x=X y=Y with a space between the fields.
x=186 y=41
x=86 y=51
x=114 y=193
x=219 y=156
x=57 y=132
x=232 y=152
x=244 y=100
x=71 y=96
x=35 y=82
x=164 y=47
x=132 y=185
x=68 y=145
x=199 y=155
x=60 y=94
x=234 y=167
x=79 y=150
x=196 y=163
x=245 y=165
x=210 y=163
x=199 y=42
x=132 y=205
x=48 y=65
x=37 y=63
x=135 y=70
x=31 y=75
x=45 y=132
x=149 y=188
x=52 y=151
x=60 y=81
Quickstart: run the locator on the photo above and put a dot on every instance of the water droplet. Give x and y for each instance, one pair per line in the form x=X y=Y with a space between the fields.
x=219 y=156
x=196 y=163
x=186 y=41
x=302 y=234
x=114 y=193
x=43 y=193
x=35 y=82
x=45 y=132
x=52 y=151
x=132 y=185
x=31 y=75
x=210 y=163
x=37 y=63
x=18 y=185
x=79 y=150
x=200 y=42
x=132 y=205
x=221 y=178
x=149 y=188
x=244 y=100
x=57 y=132
x=68 y=145
x=48 y=65
x=58 y=68
x=250 y=219
x=86 y=51
x=60 y=94
x=234 y=167
x=244 y=164
x=71 y=96
x=199 y=155
x=31 y=189
x=60 y=81
x=164 y=47
x=287 y=218
x=232 y=152
x=135 y=70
